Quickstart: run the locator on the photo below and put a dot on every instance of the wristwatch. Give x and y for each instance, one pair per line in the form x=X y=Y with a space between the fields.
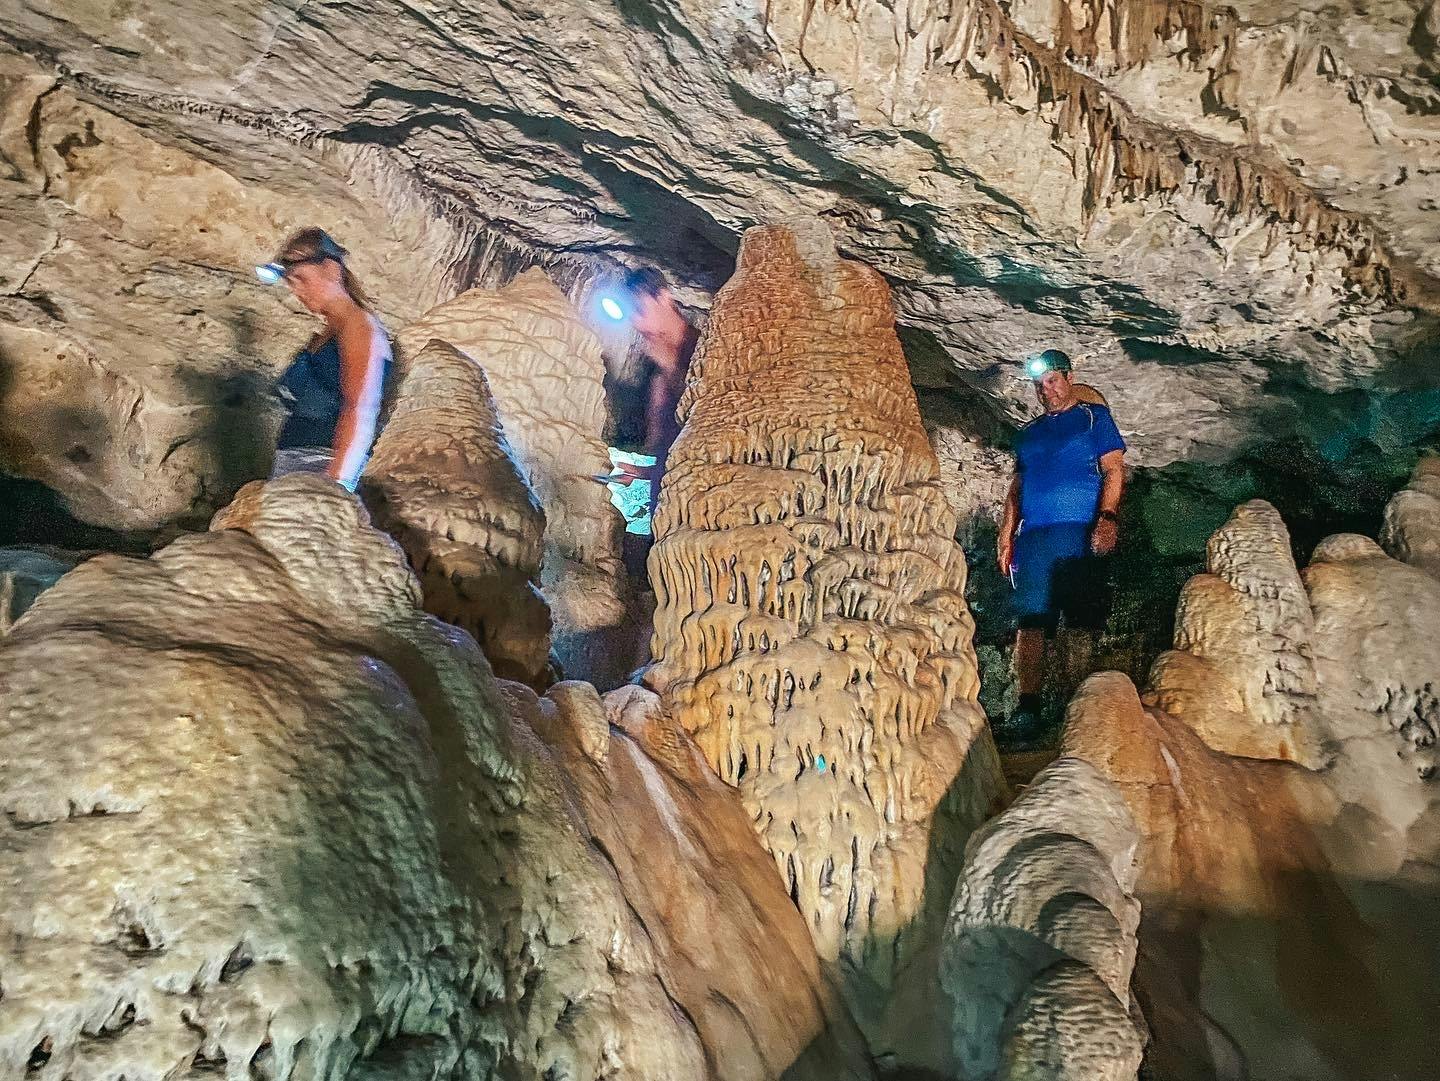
x=1110 y=515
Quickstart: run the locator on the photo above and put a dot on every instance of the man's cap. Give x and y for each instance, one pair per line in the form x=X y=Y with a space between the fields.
x=1052 y=360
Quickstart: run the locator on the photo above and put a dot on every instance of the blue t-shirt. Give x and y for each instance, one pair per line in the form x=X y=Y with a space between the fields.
x=1058 y=457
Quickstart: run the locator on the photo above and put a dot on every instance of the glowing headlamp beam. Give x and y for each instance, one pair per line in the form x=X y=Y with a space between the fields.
x=611 y=307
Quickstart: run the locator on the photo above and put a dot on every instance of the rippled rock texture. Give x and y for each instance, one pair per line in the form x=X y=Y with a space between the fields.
x=267 y=818
x=545 y=370
x=443 y=482
x=1041 y=941
x=1289 y=908
x=1221 y=210
x=811 y=629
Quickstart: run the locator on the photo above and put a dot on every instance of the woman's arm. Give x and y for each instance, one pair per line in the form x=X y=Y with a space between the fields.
x=363 y=351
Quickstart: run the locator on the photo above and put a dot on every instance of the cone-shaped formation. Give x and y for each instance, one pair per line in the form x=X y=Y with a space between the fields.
x=443 y=482
x=811 y=628
x=545 y=369
x=1243 y=645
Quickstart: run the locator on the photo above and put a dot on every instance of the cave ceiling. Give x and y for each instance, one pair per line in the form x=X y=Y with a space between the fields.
x=1221 y=211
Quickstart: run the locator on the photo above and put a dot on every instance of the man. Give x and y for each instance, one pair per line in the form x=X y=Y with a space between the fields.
x=669 y=341
x=1060 y=520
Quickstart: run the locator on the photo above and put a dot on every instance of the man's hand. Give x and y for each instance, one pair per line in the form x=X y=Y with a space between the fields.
x=1104 y=536
x=1005 y=553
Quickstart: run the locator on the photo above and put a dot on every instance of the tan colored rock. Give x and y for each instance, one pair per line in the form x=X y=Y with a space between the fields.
x=1041 y=940
x=811 y=629
x=736 y=952
x=1246 y=629
x=545 y=369
x=138 y=348
x=1289 y=925
x=443 y=482
x=268 y=817
x=1412 y=519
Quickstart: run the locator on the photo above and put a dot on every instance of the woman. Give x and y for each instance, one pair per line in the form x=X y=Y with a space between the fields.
x=334 y=385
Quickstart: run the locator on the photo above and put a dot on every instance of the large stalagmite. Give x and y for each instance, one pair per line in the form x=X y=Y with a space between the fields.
x=443 y=482
x=263 y=817
x=545 y=370
x=811 y=628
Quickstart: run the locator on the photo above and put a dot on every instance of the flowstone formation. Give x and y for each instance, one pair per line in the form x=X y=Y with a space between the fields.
x=811 y=629
x=1042 y=936
x=1289 y=909
x=267 y=818
x=443 y=482
x=545 y=369
x=1242 y=674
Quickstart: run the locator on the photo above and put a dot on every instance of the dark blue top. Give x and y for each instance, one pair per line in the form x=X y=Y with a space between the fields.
x=1058 y=458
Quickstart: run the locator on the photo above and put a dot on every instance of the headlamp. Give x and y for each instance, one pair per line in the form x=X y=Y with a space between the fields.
x=1051 y=360
x=270 y=273
x=612 y=307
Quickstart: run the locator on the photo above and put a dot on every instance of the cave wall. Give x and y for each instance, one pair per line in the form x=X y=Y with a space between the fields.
x=136 y=347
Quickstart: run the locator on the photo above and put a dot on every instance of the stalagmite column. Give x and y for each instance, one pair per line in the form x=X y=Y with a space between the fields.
x=443 y=482
x=811 y=628
x=547 y=375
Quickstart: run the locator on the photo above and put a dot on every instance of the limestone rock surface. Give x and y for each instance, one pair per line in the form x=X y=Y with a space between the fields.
x=267 y=818
x=811 y=629
x=1041 y=940
x=136 y=347
x=1411 y=533
x=24 y=575
x=1289 y=919
x=545 y=370
x=1191 y=198
x=444 y=483
x=1244 y=646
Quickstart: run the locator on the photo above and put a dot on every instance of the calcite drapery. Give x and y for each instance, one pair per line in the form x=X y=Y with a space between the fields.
x=443 y=482
x=811 y=628
x=545 y=369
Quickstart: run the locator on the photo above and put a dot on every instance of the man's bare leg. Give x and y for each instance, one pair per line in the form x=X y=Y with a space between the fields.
x=1030 y=666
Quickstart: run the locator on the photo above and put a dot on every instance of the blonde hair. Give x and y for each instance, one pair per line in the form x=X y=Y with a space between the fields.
x=312 y=245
